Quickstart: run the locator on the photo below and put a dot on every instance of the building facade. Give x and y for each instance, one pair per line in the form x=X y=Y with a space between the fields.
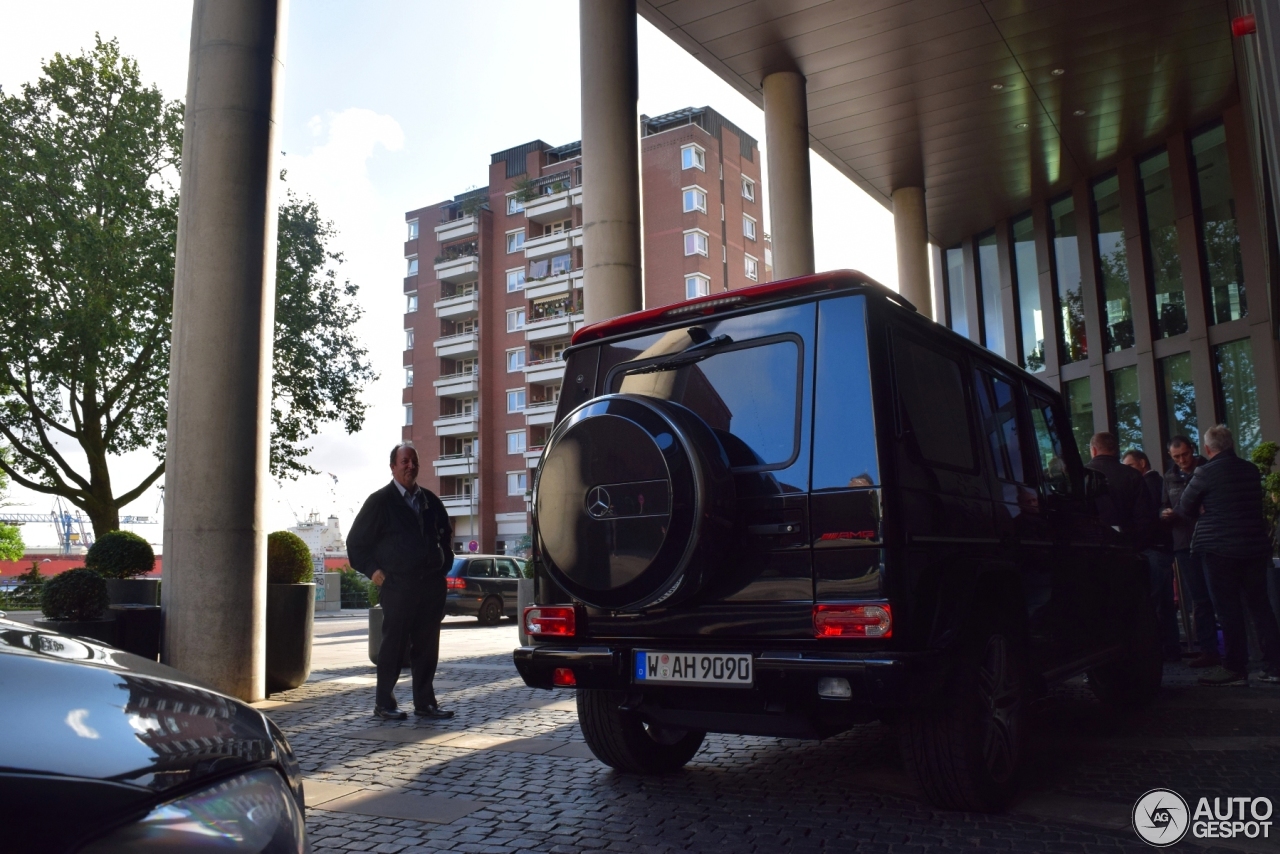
x=493 y=293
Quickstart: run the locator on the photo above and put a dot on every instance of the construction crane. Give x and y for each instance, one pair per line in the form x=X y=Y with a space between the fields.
x=70 y=527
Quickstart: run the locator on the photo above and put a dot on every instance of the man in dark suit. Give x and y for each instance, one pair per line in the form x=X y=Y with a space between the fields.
x=1159 y=555
x=1127 y=504
x=403 y=541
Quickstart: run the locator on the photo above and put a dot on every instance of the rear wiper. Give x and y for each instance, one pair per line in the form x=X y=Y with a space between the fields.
x=685 y=357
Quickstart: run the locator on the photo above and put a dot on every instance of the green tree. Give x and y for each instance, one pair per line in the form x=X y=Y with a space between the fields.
x=11 y=545
x=89 y=164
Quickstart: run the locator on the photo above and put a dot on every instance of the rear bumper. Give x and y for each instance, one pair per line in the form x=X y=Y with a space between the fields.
x=783 y=701
x=460 y=603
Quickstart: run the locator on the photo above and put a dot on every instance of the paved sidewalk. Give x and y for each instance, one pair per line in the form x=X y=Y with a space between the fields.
x=510 y=773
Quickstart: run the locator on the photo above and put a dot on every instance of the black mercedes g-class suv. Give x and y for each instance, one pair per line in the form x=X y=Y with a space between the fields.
x=795 y=507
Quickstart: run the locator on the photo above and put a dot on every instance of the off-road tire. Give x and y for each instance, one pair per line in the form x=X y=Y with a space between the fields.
x=490 y=611
x=624 y=742
x=968 y=754
x=1133 y=681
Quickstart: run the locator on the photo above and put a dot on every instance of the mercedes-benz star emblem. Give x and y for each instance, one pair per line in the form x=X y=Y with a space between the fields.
x=598 y=503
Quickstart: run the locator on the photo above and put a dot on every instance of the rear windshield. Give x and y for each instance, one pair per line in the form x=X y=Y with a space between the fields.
x=748 y=392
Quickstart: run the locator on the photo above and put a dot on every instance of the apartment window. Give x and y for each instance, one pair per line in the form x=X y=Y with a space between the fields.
x=515 y=400
x=1026 y=282
x=515 y=320
x=515 y=280
x=989 y=293
x=1160 y=234
x=696 y=286
x=515 y=360
x=1219 y=237
x=752 y=268
x=515 y=442
x=514 y=205
x=468 y=406
x=408 y=377
x=515 y=240
x=693 y=157
x=748 y=227
x=408 y=415
x=1113 y=267
x=695 y=199
x=1126 y=413
x=413 y=266
x=1178 y=391
x=413 y=229
x=958 y=318
x=748 y=189
x=561 y=264
x=1080 y=411
x=467 y=366
x=410 y=303
x=1236 y=390
x=695 y=242
x=1066 y=268
x=517 y=482
x=408 y=339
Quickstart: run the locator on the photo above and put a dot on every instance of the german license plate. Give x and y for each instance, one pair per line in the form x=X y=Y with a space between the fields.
x=693 y=668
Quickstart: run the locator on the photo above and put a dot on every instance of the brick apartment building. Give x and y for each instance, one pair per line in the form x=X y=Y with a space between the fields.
x=494 y=292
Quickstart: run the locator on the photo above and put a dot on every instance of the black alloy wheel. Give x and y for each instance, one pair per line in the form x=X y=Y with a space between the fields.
x=490 y=611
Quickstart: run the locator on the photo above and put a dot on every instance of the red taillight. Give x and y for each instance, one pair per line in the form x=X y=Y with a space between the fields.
x=853 y=621
x=550 y=621
x=1245 y=25
x=563 y=677
x=453 y=583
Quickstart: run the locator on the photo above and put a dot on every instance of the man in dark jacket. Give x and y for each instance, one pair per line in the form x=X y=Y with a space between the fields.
x=1159 y=555
x=1126 y=506
x=1225 y=494
x=1190 y=566
x=403 y=541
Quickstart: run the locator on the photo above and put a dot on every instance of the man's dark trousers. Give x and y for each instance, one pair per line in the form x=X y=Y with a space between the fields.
x=1230 y=578
x=411 y=615
x=1196 y=588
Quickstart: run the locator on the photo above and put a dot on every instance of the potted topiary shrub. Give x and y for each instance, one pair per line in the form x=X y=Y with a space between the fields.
x=74 y=603
x=121 y=557
x=291 y=610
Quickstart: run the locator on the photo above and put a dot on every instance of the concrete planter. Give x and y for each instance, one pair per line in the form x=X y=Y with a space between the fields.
x=375 y=637
x=133 y=591
x=103 y=631
x=524 y=598
x=291 y=611
x=138 y=629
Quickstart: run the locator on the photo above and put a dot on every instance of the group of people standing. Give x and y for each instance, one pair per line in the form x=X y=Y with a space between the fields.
x=1204 y=515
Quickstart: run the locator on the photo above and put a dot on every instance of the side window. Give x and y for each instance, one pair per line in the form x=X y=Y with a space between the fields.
x=1000 y=426
x=932 y=405
x=507 y=569
x=1053 y=466
x=480 y=569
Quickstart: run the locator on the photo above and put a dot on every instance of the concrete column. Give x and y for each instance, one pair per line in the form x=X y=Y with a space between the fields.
x=912 y=236
x=786 y=131
x=220 y=368
x=612 y=273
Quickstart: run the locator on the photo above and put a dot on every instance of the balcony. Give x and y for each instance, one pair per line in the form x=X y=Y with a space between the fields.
x=532 y=457
x=543 y=412
x=465 y=384
x=453 y=346
x=459 y=505
x=548 y=287
x=456 y=229
x=544 y=371
x=548 y=245
x=464 y=268
x=464 y=305
x=546 y=328
x=455 y=465
x=554 y=207
x=456 y=425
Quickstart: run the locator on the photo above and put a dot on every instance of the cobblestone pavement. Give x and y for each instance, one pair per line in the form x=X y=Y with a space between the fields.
x=510 y=773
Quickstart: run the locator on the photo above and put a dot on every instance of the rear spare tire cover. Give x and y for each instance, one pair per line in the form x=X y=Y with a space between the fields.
x=632 y=503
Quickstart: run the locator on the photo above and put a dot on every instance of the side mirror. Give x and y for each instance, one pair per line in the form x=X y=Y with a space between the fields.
x=1095 y=484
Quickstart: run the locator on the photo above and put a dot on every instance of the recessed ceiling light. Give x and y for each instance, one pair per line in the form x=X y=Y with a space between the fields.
x=1021 y=126
x=996 y=87
x=1079 y=112
x=1058 y=72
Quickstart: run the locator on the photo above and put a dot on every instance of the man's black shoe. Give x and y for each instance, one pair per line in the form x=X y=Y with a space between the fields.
x=432 y=711
x=389 y=714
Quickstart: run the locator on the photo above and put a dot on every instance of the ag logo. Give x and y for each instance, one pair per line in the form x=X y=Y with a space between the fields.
x=1160 y=818
x=599 y=505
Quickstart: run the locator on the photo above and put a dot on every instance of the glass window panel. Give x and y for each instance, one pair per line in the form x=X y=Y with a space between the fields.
x=1219 y=239
x=1000 y=424
x=931 y=402
x=955 y=291
x=1160 y=232
x=1113 y=266
x=1026 y=276
x=989 y=289
x=1238 y=393
x=1053 y=466
x=1079 y=395
x=844 y=432
x=1179 y=398
x=1066 y=268
x=1126 y=413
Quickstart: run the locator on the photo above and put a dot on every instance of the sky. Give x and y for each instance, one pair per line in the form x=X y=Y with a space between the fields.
x=387 y=107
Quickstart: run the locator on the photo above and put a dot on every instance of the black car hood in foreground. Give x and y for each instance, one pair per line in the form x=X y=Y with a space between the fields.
x=91 y=736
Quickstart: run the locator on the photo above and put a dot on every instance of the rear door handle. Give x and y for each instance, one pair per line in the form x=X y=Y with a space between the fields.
x=775 y=530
